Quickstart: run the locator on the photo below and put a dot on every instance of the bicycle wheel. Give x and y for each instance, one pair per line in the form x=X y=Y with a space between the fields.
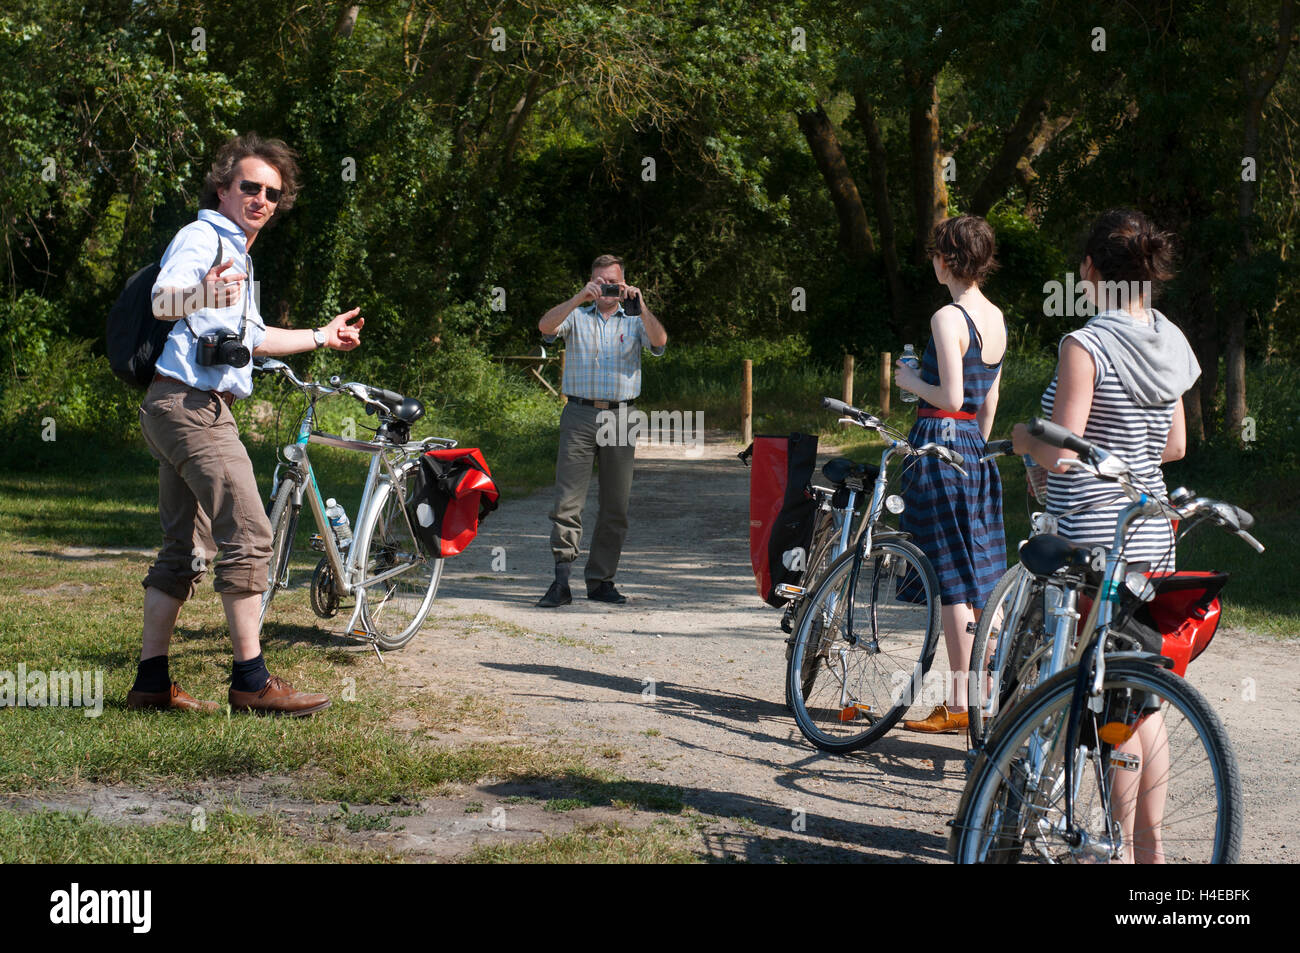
x=848 y=689
x=1170 y=793
x=284 y=523
x=821 y=552
x=399 y=580
x=1013 y=619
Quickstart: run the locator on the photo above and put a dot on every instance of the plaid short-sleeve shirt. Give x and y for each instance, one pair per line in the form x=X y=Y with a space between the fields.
x=602 y=358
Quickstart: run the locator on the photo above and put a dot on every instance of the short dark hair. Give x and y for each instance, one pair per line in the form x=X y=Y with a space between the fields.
x=967 y=247
x=1126 y=246
x=604 y=261
x=273 y=152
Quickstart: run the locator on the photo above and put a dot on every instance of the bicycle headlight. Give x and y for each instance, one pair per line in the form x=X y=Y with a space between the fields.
x=894 y=503
x=295 y=452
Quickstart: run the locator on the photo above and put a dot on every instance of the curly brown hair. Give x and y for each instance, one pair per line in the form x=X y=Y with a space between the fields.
x=273 y=152
x=967 y=247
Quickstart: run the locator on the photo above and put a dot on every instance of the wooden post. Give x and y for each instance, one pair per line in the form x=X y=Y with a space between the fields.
x=848 y=379
x=886 y=365
x=563 y=399
x=747 y=405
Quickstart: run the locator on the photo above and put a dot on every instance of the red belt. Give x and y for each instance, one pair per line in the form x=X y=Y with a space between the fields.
x=226 y=396
x=950 y=414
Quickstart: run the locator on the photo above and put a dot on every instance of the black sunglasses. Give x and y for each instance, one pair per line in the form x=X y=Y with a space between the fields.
x=248 y=187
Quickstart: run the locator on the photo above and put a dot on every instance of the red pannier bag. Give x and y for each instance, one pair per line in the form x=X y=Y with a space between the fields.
x=781 y=513
x=1181 y=620
x=452 y=492
x=1185 y=612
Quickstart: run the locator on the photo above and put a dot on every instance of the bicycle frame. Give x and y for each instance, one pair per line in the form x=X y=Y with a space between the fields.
x=348 y=571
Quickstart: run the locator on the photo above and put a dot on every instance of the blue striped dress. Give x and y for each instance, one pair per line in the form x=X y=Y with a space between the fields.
x=956 y=520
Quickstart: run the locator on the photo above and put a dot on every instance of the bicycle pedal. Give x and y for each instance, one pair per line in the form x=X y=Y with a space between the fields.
x=1125 y=761
x=851 y=712
x=790 y=592
x=317 y=543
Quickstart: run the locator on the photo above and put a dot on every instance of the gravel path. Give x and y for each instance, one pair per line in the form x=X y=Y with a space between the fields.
x=683 y=685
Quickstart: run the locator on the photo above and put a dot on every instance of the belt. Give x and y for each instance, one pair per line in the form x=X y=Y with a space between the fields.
x=948 y=414
x=226 y=396
x=601 y=404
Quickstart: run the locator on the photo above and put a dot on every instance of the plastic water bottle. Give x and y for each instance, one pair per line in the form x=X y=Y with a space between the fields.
x=338 y=518
x=909 y=358
x=1037 y=476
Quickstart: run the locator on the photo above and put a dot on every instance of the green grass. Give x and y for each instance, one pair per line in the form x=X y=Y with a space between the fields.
x=664 y=842
x=52 y=837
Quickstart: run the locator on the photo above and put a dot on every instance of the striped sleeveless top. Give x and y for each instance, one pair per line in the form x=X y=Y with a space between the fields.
x=1137 y=434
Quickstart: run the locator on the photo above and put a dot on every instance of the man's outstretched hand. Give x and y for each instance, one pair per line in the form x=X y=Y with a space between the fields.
x=341 y=334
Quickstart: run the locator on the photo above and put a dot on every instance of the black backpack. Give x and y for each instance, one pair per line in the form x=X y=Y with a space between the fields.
x=135 y=336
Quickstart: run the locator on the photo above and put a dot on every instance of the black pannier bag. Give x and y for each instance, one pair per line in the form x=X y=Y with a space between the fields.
x=451 y=492
x=781 y=513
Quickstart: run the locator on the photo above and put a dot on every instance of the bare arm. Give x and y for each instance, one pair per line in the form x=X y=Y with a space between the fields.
x=945 y=327
x=654 y=330
x=1075 y=376
x=340 y=335
x=555 y=317
x=984 y=416
x=214 y=290
x=1176 y=445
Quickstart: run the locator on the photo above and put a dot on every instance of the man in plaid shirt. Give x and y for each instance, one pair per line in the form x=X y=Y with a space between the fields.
x=602 y=376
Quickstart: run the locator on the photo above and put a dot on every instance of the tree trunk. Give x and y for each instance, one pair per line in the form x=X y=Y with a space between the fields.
x=855 y=233
x=1235 y=351
x=1002 y=172
x=878 y=162
x=929 y=194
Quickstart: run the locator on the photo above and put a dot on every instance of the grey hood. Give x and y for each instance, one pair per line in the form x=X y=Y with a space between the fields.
x=1154 y=362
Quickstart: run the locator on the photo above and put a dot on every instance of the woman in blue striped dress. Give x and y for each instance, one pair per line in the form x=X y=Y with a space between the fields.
x=956 y=520
x=1119 y=383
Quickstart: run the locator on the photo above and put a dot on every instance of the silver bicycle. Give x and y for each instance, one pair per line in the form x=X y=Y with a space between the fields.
x=382 y=567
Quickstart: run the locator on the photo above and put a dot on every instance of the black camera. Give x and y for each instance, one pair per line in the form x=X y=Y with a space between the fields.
x=609 y=291
x=222 y=348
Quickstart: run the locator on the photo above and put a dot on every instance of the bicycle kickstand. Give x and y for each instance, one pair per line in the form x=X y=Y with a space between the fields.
x=357 y=630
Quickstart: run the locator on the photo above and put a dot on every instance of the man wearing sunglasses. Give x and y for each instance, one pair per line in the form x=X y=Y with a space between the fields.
x=207 y=495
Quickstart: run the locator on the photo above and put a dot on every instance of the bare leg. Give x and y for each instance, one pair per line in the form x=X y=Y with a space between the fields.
x=243 y=613
x=958 y=641
x=160 y=614
x=1138 y=797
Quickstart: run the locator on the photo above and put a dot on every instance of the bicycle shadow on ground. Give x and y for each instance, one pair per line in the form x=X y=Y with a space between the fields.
x=800 y=835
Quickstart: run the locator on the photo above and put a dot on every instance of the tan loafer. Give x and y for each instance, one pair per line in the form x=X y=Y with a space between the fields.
x=278 y=697
x=174 y=698
x=941 y=722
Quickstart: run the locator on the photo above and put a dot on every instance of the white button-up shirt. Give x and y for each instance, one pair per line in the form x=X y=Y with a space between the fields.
x=186 y=261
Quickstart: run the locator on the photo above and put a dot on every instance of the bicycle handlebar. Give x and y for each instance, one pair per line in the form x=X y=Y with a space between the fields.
x=1058 y=436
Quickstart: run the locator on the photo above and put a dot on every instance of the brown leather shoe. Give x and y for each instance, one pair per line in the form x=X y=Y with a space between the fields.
x=174 y=698
x=278 y=697
x=941 y=722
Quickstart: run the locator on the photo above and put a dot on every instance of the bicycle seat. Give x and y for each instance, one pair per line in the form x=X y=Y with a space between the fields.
x=842 y=468
x=409 y=410
x=1044 y=555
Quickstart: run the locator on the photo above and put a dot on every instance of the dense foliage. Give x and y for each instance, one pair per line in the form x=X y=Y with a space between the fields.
x=768 y=169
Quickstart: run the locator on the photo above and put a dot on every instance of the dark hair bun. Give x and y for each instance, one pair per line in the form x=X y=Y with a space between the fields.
x=1126 y=246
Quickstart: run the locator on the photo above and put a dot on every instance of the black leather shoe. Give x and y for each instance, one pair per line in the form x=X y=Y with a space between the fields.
x=557 y=595
x=606 y=592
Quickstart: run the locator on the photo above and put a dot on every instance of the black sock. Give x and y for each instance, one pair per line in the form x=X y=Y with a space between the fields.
x=249 y=676
x=152 y=675
x=562 y=573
